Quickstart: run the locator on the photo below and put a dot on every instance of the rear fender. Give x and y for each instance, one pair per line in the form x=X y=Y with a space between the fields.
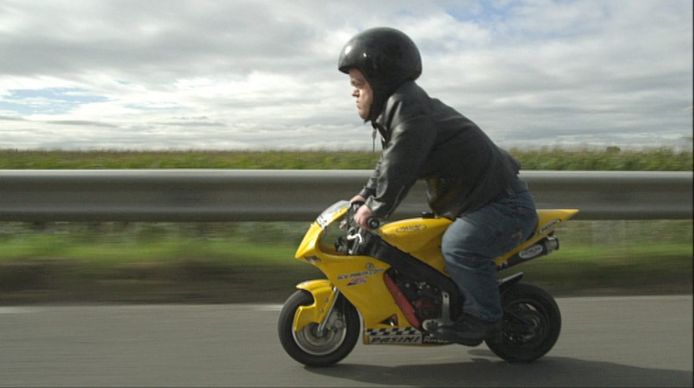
x=323 y=299
x=508 y=282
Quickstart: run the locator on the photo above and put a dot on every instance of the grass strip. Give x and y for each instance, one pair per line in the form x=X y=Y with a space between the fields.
x=611 y=158
x=198 y=271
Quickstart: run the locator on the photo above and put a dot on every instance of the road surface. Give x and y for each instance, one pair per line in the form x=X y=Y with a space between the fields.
x=609 y=341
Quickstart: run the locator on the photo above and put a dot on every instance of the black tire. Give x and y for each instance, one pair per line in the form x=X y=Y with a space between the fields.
x=531 y=324
x=310 y=349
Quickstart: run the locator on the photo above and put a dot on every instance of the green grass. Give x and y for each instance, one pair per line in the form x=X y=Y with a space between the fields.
x=106 y=254
x=609 y=159
x=242 y=262
x=543 y=159
x=264 y=243
x=10 y=159
x=240 y=250
x=108 y=244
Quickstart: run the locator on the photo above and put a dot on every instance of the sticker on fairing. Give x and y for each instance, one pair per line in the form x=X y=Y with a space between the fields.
x=548 y=227
x=411 y=228
x=369 y=271
x=531 y=252
x=356 y=281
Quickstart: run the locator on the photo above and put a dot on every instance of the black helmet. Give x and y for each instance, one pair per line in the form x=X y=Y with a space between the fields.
x=384 y=55
x=387 y=58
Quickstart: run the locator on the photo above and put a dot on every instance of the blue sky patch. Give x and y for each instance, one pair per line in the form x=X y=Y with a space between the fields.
x=484 y=12
x=47 y=101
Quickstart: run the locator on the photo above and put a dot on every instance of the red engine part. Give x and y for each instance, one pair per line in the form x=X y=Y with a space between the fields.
x=402 y=302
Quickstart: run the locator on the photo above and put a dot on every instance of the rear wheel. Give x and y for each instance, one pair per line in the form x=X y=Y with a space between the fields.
x=531 y=324
x=309 y=347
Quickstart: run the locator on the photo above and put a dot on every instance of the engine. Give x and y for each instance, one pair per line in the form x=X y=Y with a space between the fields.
x=424 y=298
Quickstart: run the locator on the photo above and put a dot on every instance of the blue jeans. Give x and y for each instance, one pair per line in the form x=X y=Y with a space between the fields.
x=475 y=239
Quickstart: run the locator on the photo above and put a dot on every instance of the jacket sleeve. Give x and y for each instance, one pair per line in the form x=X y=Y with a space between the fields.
x=409 y=145
x=369 y=189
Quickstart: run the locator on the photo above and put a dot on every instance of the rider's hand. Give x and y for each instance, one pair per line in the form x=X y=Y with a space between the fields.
x=363 y=215
x=357 y=198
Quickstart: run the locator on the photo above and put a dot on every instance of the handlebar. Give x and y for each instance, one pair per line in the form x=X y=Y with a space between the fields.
x=372 y=222
x=356 y=235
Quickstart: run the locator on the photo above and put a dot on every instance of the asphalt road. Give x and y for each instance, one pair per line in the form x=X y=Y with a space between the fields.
x=632 y=341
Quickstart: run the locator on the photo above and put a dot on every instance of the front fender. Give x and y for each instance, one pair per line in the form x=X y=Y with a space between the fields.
x=323 y=298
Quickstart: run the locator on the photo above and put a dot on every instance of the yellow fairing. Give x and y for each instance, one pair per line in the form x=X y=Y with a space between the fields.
x=420 y=237
x=359 y=279
x=308 y=244
x=548 y=220
x=323 y=298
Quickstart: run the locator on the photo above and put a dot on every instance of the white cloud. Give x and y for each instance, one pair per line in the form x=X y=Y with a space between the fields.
x=254 y=74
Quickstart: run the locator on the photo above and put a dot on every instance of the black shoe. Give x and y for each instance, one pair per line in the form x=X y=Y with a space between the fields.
x=467 y=330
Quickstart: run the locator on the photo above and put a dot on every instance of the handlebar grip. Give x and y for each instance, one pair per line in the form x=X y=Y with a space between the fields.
x=374 y=223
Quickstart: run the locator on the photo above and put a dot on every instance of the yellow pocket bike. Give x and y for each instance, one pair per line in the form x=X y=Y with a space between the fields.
x=392 y=279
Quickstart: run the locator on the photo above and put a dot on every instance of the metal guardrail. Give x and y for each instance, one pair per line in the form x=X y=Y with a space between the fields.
x=299 y=195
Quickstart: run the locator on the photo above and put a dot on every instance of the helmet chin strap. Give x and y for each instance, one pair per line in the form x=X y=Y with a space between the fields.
x=373 y=139
x=382 y=90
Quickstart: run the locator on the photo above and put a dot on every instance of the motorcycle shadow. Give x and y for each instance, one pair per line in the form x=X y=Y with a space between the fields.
x=483 y=371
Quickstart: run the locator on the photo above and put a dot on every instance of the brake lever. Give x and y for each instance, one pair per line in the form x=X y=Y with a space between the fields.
x=355 y=233
x=348 y=223
x=356 y=239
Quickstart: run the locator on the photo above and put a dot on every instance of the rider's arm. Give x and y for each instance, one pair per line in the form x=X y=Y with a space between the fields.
x=411 y=140
x=370 y=187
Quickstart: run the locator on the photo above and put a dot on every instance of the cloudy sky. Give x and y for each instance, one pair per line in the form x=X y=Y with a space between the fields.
x=139 y=74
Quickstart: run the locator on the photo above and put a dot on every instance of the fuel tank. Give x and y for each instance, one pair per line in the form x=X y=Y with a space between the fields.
x=420 y=237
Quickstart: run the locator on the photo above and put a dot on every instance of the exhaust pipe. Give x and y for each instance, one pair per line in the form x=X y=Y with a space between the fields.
x=541 y=248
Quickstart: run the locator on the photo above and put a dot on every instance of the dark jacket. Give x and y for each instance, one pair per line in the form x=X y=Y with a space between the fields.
x=425 y=139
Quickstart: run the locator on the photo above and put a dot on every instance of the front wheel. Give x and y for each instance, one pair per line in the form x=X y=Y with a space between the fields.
x=306 y=345
x=531 y=324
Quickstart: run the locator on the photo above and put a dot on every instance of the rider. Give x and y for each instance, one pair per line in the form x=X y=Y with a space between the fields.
x=470 y=180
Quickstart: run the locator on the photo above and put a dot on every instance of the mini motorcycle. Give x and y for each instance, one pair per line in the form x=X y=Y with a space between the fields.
x=391 y=281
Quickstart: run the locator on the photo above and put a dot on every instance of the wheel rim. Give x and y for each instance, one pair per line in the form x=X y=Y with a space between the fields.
x=310 y=342
x=526 y=324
